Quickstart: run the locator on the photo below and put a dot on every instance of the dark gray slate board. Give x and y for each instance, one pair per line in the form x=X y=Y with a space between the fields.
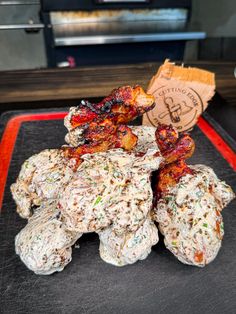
x=159 y=284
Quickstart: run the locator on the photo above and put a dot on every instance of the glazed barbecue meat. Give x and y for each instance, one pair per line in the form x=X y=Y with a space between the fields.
x=189 y=214
x=101 y=183
x=175 y=149
x=129 y=247
x=41 y=178
x=170 y=175
x=173 y=146
x=44 y=244
x=110 y=193
x=120 y=107
x=114 y=137
x=98 y=127
x=123 y=105
x=188 y=200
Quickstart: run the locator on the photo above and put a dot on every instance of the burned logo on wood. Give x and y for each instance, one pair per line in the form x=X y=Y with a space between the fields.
x=181 y=94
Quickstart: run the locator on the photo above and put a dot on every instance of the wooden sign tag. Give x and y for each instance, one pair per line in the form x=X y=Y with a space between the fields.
x=181 y=94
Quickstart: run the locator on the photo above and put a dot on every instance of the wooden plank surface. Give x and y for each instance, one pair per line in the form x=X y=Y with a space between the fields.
x=84 y=82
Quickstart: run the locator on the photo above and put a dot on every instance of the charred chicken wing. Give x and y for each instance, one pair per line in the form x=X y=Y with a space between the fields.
x=103 y=139
x=172 y=145
x=120 y=107
x=101 y=183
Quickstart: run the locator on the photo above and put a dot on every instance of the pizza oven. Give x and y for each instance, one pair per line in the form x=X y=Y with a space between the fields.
x=98 y=32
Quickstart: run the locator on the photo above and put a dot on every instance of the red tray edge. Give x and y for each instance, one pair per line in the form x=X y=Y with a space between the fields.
x=13 y=125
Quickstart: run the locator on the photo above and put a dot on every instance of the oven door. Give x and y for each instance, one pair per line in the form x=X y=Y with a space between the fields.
x=120 y=26
x=116 y=35
x=74 y=5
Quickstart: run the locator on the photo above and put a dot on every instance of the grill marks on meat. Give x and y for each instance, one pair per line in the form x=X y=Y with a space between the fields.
x=120 y=107
x=104 y=138
x=170 y=175
x=175 y=149
x=173 y=146
x=110 y=193
x=100 y=125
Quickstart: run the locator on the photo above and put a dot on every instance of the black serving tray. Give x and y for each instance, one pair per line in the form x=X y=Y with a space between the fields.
x=159 y=284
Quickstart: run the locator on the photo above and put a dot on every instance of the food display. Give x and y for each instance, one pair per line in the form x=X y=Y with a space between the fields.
x=189 y=215
x=44 y=245
x=110 y=187
x=128 y=247
x=91 y=123
x=42 y=177
x=122 y=182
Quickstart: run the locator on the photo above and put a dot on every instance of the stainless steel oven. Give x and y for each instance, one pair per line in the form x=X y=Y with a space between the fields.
x=115 y=31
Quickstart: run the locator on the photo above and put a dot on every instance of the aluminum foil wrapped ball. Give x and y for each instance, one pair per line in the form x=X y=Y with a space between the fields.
x=189 y=216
